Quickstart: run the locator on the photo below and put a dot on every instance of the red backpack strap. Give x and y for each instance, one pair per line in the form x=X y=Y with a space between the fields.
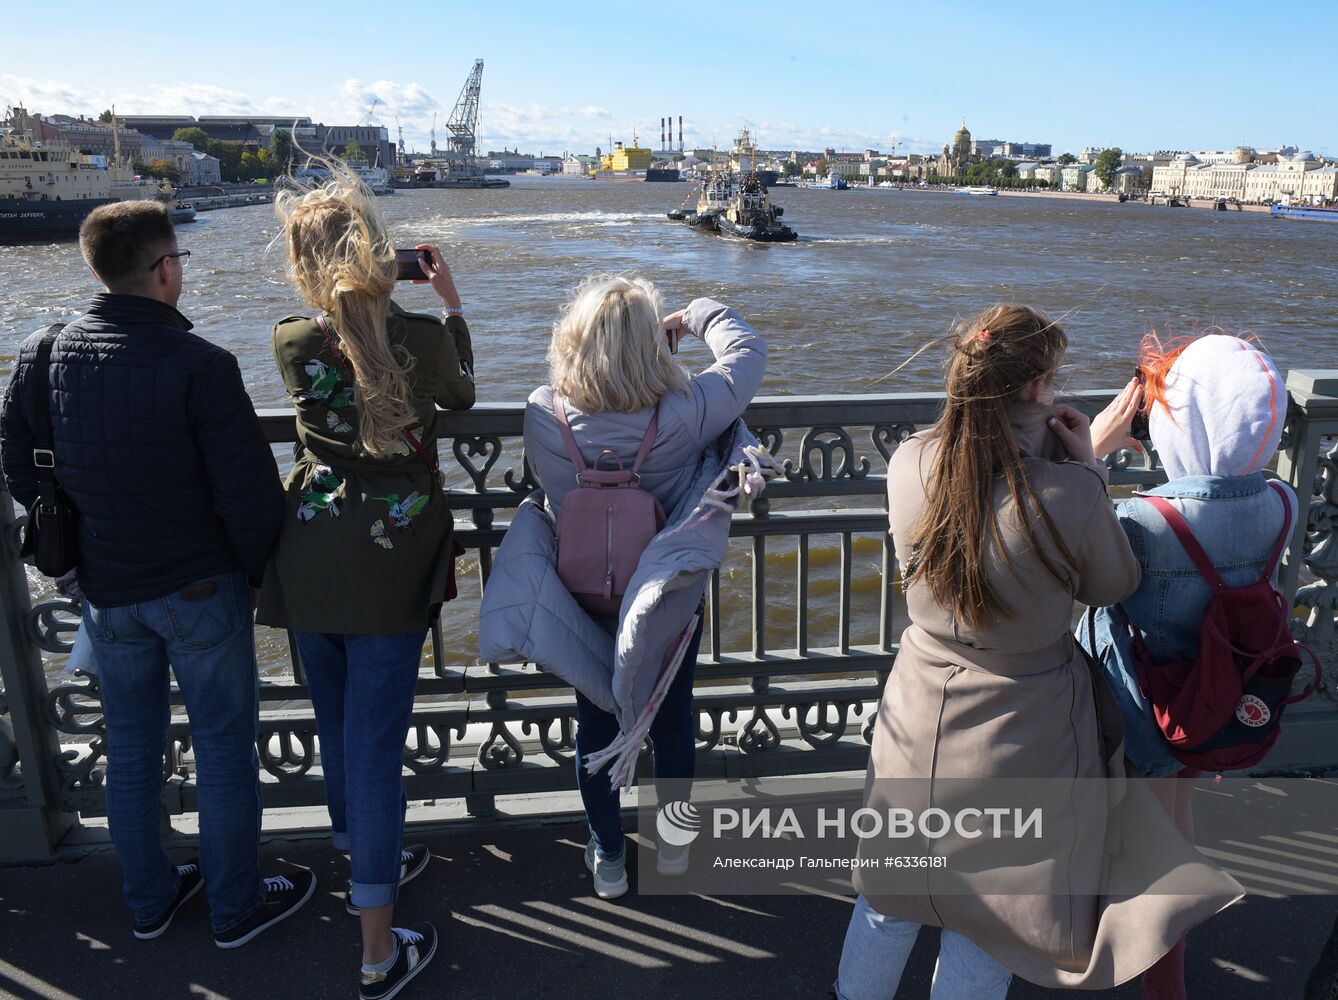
x=560 y=412
x=648 y=440
x=1286 y=531
x=1187 y=540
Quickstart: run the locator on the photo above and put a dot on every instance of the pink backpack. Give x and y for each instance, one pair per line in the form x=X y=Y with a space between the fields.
x=605 y=523
x=1222 y=710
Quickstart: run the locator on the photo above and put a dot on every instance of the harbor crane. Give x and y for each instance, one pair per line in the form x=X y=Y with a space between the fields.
x=463 y=124
x=400 y=129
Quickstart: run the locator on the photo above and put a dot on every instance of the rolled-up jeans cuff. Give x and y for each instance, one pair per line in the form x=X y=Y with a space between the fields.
x=340 y=838
x=369 y=895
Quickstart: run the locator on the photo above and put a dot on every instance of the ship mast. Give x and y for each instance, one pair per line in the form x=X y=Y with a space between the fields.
x=116 y=138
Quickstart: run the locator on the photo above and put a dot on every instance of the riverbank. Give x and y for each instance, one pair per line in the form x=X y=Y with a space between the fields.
x=1112 y=199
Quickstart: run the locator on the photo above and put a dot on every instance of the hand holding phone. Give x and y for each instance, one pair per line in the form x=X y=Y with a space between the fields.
x=411 y=265
x=673 y=330
x=437 y=274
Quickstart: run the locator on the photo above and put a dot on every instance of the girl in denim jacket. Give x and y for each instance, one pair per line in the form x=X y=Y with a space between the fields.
x=1215 y=409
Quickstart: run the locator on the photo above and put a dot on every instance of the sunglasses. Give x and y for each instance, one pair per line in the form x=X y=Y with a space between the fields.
x=181 y=255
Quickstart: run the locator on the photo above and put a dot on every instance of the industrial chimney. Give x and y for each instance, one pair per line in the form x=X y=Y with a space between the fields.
x=680 y=133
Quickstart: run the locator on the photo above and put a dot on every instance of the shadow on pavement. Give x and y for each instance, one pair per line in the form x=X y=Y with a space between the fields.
x=518 y=919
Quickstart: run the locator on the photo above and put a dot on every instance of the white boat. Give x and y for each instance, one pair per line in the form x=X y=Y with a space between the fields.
x=977 y=189
x=377 y=179
x=829 y=183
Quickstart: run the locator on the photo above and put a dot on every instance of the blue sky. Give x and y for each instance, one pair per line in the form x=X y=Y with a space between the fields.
x=565 y=76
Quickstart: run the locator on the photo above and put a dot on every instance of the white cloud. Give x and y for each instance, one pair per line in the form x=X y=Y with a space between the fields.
x=533 y=128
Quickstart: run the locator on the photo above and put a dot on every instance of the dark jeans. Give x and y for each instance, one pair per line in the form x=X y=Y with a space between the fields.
x=205 y=633
x=672 y=736
x=362 y=690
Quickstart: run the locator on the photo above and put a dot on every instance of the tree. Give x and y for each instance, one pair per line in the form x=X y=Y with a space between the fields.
x=1066 y=158
x=196 y=136
x=1107 y=163
x=281 y=151
x=163 y=169
x=353 y=153
x=1145 y=179
x=229 y=156
x=821 y=167
x=790 y=169
x=105 y=117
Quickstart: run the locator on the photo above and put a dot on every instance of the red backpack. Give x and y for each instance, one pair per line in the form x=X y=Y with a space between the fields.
x=1222 y=710
x=605 y=523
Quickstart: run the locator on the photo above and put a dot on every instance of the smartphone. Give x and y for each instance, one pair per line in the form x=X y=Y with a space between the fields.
x=673 y=337
x=1139 y=427
x=411 y=265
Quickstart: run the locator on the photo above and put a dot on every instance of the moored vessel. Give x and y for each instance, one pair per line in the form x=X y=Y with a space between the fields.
x=48 y=188
x=976 y=189
x=832 y=182
x=1307 y=213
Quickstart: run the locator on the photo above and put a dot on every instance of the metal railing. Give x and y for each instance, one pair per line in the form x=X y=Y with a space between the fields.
x=803 y=620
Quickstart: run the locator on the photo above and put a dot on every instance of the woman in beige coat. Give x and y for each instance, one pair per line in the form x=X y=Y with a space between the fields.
x=1000 y=521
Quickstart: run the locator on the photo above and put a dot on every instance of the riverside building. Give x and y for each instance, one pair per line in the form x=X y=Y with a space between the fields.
x=1298 y=177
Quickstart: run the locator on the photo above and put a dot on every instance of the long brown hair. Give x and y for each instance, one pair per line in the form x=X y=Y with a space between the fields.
x=994 y=357
x=342 y=262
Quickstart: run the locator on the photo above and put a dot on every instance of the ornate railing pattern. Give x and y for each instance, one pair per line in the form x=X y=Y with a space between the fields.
x=791 y=692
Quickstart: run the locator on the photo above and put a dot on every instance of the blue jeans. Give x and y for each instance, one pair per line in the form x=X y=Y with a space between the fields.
x=672 y=734
x=875 y=953
x=204 y=632
x=362 y=690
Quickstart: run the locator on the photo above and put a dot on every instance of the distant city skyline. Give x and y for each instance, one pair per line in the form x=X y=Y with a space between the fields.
x=559 y=78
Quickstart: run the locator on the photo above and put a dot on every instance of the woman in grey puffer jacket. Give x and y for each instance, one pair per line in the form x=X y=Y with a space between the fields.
x=611 y=364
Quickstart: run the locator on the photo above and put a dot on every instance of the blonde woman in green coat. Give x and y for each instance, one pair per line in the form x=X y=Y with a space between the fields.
x=365 y=551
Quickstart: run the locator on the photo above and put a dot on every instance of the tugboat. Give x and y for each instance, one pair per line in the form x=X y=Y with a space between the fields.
x=738 y=208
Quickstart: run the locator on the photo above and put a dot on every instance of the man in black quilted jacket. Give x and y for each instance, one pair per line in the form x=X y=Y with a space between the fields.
x=158 y=447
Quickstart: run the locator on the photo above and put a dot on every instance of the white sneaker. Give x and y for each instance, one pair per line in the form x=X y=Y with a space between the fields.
x=671 y=861
x=610 y=876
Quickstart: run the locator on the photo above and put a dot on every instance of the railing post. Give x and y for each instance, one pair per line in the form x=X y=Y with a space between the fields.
x=31 y=820
x=1314 y=477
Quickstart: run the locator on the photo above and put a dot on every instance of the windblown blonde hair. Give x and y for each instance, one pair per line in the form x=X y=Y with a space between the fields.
x=342 y=262
x=608 y=352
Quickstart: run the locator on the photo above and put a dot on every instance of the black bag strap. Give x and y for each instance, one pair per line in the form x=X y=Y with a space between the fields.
x=44 y=456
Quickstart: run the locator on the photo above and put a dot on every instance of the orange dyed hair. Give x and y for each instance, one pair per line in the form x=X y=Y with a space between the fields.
x=1155 y=361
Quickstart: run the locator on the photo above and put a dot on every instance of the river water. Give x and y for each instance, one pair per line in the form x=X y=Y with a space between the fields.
x=875 y=276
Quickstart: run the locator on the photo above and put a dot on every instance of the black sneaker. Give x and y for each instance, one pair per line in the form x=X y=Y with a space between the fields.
x=284 y=896
x=191 y=883
x=413 y=859
x=417 y=946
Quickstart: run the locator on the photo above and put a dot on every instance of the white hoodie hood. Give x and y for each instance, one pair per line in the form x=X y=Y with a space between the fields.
x=1227 y=406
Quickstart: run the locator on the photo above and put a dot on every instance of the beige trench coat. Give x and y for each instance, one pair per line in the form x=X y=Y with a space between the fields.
x=1015 y=699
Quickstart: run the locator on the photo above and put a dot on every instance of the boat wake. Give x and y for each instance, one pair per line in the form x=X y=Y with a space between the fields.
x=559 y=218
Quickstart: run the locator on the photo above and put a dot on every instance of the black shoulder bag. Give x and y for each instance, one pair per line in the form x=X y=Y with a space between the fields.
x=51 y=538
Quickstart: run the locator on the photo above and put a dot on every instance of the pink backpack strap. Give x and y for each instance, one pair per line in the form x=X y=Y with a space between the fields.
x=648 y=440
x=560 y=411
x=1187 y=540
x=1286 y=531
